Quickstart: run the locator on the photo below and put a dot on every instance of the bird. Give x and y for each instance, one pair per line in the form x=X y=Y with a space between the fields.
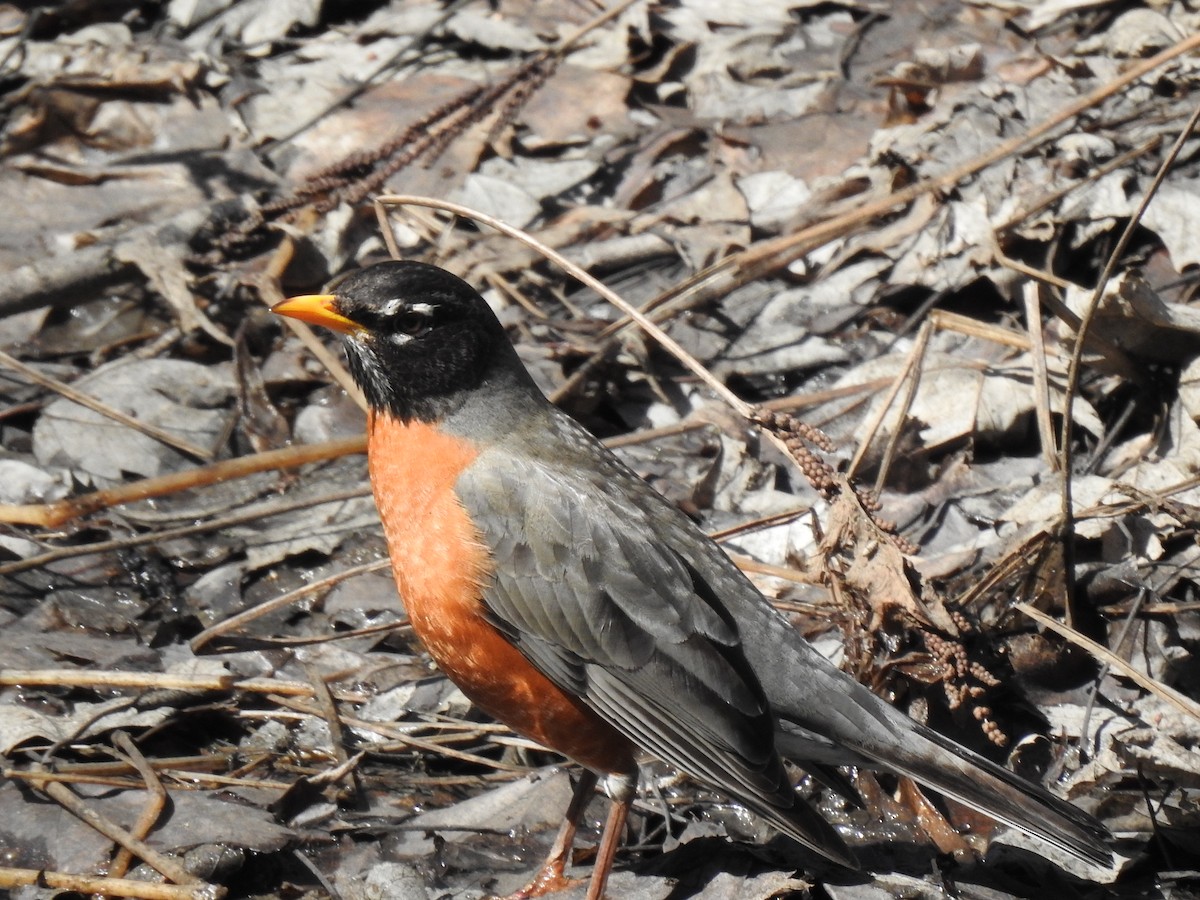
x=570 y=601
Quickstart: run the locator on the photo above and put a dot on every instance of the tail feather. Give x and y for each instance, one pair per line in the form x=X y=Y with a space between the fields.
x=882 y=737
x=804 y=824
x=969 y=778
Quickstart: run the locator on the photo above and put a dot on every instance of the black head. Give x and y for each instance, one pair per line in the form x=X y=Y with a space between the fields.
x=417 y=338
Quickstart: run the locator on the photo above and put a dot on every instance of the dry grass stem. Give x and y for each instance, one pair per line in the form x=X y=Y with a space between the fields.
x=77 y=396
x=270 y=293
x=1041 y=376
x=108 y=887
x=52 y=515
x=166 y=866
x=1074 y=371
x=1051 y=198
x=235 y=622
x=908 y=375
x=1184 y=704
x=584 y=277
x=156 y=801
x=263 y=512
x=143 y=681
x=399 y=736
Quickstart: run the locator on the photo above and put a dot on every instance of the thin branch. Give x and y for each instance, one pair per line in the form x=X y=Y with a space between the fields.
x=52 y=515
x=583 y=276
x=107 y=887
x=262 y=512
x=1075 y=368
x=156 y=801
x=98 y=406
x=166 y=866
x=283 y=600
x=1184 y=704
x=1041 y=374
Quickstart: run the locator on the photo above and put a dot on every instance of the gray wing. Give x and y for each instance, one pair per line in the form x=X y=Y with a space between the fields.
x=608 y=611
x=687 y=658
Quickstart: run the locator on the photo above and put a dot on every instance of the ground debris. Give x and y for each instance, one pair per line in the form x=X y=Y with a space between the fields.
x=879 y=226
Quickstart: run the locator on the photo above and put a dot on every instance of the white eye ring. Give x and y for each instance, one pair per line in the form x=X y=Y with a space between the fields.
x=393 y=306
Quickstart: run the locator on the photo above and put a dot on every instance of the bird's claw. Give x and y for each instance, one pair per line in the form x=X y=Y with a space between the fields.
x=550 y=879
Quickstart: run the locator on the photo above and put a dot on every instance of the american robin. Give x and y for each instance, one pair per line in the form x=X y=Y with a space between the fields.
x=569 y=600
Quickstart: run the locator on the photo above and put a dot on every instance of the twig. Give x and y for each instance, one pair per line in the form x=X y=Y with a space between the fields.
x=267 y=283
x=908 y=376
x=583 y=276
x=1168 y=694
x=1067 y=513
x=1047 y=200
x=124 y=767
x=650 y=435
x=154 y=537
x=820 y=398
x=1041 y=375
x=283 y=600
x=326 y=709
x=156 y=801
x=164 y=865
x=395 y=626
x=174 y=767
x=78 y=678
x=98 y=406
x=1094 y=688
x=108 y=887
x=52 y=515
x=388 y=729
x=752 y=566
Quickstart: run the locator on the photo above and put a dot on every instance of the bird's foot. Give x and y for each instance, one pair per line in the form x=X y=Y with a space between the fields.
x=550 y=879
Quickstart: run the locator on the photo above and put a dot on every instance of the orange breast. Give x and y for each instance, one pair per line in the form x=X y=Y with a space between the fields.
x=441 y=567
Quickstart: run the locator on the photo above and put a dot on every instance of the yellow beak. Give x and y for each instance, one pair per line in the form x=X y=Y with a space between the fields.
x=317 y=309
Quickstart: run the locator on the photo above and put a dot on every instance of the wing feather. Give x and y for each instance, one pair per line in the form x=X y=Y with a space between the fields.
x=602 y=607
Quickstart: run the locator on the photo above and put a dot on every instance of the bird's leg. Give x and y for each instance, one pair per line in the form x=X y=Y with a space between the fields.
x=620 y=789
x=552 y=875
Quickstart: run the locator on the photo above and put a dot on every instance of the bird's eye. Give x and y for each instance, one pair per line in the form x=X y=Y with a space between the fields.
x=413 y=324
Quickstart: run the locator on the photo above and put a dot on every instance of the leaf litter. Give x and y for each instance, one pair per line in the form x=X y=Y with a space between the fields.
x=883 y=222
